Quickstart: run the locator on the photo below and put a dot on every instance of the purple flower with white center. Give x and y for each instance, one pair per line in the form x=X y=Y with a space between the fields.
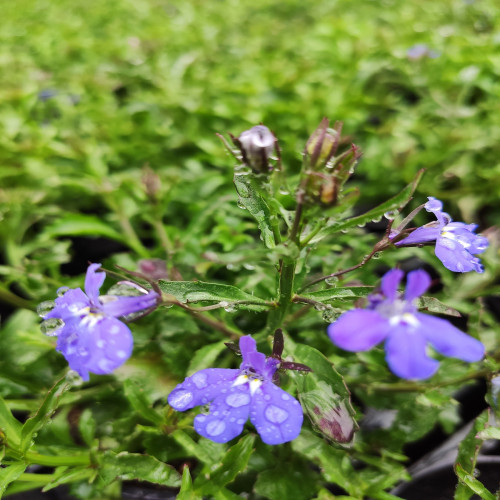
x=456 y=242
x=406 y=332
x=234 y=395
x=89 y=335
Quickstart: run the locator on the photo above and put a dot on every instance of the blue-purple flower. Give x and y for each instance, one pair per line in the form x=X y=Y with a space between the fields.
x=89 y=335
x=234 y=395
x=394 y=319
x=456 y=242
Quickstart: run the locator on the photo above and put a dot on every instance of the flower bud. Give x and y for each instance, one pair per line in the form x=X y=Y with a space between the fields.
x=257 y=145
x=322 y=144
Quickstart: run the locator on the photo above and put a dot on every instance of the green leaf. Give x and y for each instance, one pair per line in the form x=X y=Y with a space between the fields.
x=9 y=474
x=280 y=483
x=132 y=466
x=87 y=426
x=338 y=293
x=9 y=425
x=187 y=492
x=233 y=462
x=324 y=395
x=82 y=225
x=251 y=198
x=472 y=484
x=205 y=357
x=70 y=475
x=48 y=407
x=468 y=452
x=135 y=394
x=397 y=202
x=434 y=305
x=191 y=447
x=199 y=291
x=489 y=433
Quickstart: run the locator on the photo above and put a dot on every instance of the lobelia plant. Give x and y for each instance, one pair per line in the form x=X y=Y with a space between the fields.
x=298 y=283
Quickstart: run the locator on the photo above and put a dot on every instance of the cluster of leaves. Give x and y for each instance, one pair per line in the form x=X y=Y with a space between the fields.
x=108 y=153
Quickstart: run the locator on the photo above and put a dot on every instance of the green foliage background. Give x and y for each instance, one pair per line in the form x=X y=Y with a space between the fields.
x=108 y=116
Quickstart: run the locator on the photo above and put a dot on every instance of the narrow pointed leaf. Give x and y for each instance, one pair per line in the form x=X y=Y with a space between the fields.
x=199 y=291
x=397 y=202
x=9 y=474
x=251 y=198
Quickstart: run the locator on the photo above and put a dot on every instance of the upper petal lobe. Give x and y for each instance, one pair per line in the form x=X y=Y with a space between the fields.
x=359 y=330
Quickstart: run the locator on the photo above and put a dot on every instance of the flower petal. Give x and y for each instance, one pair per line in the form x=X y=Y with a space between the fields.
x=110 y=344
x=202 y=387
x=424 y=234
x=251 y=357
x=121 y=306
x=406 y=353
x=227 y=416
x=390 y=283
x=455 y=257
x=94 y=281
x=449 y=340
x=417 y=284
x=359 y=330
x=276 y=415
x=69 y=305
x=72 y=344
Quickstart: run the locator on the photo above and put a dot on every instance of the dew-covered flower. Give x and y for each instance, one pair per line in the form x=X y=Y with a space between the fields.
x=90 y=336
x=394 y=318
x=456 y=242
x=234 y=395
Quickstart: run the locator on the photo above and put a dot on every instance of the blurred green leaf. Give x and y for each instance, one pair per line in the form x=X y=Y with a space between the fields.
x=87 y=426
x=131 y=466
x=467 y=456
x=9 y=425
x=83 y=225
x=48 y=407
x=251 y=197
x=205 y=357
x=397 y=202
x=338 y=293
x=233 y=462
x=9 y=474
x=198 y=291
x=187 y=492
x=139 y=401
x=434 y=305
x=472 y=484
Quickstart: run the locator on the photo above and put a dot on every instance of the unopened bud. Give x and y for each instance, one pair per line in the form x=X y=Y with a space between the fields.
x=322 y=144
x=257 y=146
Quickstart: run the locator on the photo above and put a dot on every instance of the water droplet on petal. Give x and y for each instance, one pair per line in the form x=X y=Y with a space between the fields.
x=61 y=291
x=45 y=307
x=267 y=397
x=237 y=399
x=240 y=421
x=275 y=414
x=52 y=326
x=199 y=380
x=180 y=399
x=285 y=397
x=215 y=427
